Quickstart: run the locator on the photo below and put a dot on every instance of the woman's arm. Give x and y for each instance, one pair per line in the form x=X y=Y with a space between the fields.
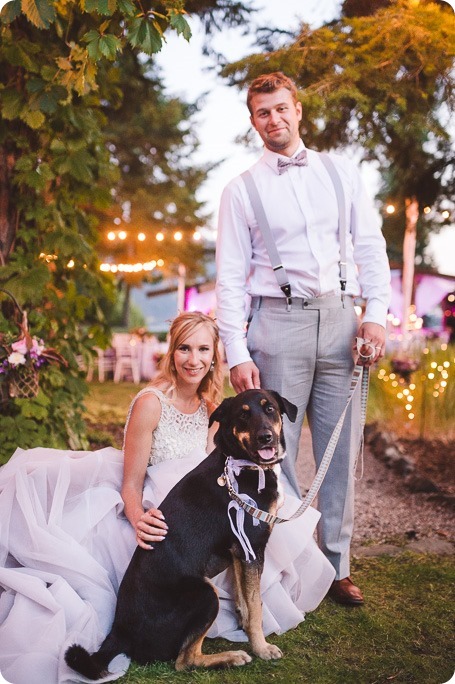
x=148 y=525
x=212 y=429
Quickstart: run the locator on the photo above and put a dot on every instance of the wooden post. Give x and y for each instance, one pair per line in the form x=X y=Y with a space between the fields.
x=409 y=250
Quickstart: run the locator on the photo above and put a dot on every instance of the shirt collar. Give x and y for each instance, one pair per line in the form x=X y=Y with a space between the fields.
x=271 y=158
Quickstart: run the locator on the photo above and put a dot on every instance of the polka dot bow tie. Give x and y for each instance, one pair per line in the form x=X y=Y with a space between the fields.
x=300 y=159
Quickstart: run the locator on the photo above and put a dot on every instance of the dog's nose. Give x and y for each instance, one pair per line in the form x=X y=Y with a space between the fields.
x=265 y=437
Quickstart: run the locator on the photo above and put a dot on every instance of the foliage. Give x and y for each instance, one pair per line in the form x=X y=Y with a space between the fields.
x=384 y=83
x=151 y=139
x=61 y=66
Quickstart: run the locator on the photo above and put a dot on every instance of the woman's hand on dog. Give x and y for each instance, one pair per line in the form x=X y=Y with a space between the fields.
x=151 y=527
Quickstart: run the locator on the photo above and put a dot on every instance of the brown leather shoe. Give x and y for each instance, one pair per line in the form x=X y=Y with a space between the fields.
x=345 y=592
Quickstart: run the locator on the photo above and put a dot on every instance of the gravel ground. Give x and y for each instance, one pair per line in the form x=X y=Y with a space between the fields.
x=386 y=512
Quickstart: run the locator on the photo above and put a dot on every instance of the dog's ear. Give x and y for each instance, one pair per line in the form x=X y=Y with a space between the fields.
x=285 y=406
x=220 y=411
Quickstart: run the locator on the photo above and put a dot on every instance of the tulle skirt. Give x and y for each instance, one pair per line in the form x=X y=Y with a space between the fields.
x=65 y=545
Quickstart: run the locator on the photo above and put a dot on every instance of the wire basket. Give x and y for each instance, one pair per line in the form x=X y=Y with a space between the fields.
x=21 y=382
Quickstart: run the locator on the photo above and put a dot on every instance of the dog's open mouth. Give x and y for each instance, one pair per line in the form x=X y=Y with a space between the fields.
x=268 y=454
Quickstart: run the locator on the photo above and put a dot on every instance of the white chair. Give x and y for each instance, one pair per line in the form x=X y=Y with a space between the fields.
x=127 y=357
x=102 y=363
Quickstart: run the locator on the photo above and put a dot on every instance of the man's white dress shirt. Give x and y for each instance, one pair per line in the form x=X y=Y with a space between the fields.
x=302 y=211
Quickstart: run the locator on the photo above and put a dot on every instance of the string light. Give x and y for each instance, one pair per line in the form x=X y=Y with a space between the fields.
x=178 y=235
x=131 y=268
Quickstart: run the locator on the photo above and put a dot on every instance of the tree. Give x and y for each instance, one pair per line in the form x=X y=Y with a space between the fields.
x=151 y=138
x=384 y=83
x=58 y=61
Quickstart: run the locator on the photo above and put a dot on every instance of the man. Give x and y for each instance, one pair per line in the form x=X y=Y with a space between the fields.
x=302 y=345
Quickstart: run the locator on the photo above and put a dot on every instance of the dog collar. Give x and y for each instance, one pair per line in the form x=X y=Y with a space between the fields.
x=231 y=468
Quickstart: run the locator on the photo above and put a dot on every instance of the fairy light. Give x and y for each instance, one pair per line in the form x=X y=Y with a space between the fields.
x=178 y=235
x=390 y=209
x=437 y=375
x=131 y=268
x=160 y=237
x=122 y=235
x=141 y=237
x=70 y=263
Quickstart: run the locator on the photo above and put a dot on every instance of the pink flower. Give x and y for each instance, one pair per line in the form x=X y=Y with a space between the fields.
x=20 y=346
x=37 y=347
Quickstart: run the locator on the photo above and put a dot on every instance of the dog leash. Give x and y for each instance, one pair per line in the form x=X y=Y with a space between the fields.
x=360 y=375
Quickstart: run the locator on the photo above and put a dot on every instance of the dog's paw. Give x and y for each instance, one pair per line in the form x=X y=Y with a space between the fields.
x=238 y=658
x=269 y=652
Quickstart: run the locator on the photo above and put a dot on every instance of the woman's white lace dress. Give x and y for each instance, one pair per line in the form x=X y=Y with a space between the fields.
x=65 y=545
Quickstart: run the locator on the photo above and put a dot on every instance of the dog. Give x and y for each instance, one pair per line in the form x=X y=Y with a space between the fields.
x=166 y=603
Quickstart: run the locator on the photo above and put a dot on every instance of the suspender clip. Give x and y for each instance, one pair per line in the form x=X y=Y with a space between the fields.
x=343 y=289
x=287 y=292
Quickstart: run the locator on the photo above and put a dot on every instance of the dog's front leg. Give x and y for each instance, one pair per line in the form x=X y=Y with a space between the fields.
x=249 y=607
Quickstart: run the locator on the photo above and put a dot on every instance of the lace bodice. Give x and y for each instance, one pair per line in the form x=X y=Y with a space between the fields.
x=177 y=433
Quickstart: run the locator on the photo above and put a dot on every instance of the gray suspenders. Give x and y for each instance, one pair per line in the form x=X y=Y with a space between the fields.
x=263 y=224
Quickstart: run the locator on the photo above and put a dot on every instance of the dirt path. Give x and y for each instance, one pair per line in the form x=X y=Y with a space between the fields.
x=386 y=512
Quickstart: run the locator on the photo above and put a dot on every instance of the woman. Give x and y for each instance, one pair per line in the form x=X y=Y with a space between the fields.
x=69 y=523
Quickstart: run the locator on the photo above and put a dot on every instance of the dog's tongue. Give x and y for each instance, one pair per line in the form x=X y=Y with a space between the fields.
x=267 y=454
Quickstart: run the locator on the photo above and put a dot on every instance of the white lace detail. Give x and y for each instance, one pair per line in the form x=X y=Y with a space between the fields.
x=177 y=433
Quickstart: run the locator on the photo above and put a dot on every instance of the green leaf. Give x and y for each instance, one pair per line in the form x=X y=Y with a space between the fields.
x=109 y=45
x=25 y=163
x=18 y=56
x=41 y=13
x=107 y=7
x=31 y=409
x=79 y=166
x=35 y=85
x=10 y=11
x=127 y=7
x=11 y=103
x=144 y=35
x=34 y=119
x=180 y=24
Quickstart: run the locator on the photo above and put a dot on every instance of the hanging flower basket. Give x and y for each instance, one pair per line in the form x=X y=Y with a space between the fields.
x=21 y=359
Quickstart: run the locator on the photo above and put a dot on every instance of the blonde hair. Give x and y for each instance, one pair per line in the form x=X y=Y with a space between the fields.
x=211 y=387
x=268 y=83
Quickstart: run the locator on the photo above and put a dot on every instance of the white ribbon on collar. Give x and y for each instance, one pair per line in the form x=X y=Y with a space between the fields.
x=234 y=468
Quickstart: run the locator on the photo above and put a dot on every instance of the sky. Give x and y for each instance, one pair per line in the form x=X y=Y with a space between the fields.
x=223 y=113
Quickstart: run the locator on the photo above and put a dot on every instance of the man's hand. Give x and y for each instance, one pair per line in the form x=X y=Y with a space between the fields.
x=245 y=376
x=374 y=336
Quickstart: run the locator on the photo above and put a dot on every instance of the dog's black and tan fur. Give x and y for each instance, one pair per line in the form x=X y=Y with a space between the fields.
x=166 y=604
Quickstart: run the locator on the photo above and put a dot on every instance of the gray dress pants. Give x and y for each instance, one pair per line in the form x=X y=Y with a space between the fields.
x=305 y=355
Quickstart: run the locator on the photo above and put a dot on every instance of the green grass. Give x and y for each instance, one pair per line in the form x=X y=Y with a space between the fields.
x=108 y=402
x=403 y=634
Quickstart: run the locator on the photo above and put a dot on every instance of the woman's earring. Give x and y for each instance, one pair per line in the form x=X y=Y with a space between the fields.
x=212 y=365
